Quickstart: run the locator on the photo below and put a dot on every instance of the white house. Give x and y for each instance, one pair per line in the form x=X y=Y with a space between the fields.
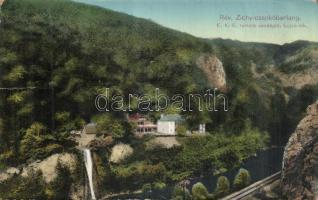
x=167 y=124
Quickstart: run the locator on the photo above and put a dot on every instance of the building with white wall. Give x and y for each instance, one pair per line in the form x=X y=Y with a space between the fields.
x=167 y=124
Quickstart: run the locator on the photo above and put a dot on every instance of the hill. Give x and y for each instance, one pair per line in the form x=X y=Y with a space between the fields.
x=57 y=55
x=65 y=53
x=271 y=84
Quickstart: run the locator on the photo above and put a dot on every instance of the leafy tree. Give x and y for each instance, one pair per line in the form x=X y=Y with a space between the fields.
x=223 y=186
x=242 y=179
x=110 y=125
x=17 y=73
x=38 y=143
x=32 y=138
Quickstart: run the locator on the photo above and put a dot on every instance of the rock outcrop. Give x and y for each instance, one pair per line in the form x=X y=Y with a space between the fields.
x=48 y=165
x=214 y=71
x=120 y=152
x=9 y=173
x=300 y=163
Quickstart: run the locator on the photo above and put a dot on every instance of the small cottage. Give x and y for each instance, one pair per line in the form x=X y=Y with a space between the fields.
x=167 y=124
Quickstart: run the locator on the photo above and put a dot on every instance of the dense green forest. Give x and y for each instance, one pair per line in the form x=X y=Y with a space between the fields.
x=57 y=55
x=68 y=52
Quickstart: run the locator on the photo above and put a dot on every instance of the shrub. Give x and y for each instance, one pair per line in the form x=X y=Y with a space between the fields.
x=159 y=185
x=242 y=179
x=146 y=189
x=181 y=130
x=199 y=192
x=222 y=186
x=181 y=193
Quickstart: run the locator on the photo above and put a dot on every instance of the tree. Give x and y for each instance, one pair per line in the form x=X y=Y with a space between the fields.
x=32 y=138
x=199 y=192
x=61 y=185
x=223 y=186
x=19 y=187
x=242 y=179
x=38 y=142
x=181 y=130
x=110 y=125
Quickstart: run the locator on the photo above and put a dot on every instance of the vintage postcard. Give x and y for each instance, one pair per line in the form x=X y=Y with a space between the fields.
x=159 y=99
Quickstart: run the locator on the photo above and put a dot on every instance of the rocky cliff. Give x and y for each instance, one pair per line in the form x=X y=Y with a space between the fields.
x=213 y=69
x=300 y=163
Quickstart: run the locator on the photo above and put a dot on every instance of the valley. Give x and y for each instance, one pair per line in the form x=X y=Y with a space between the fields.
x=57 y=56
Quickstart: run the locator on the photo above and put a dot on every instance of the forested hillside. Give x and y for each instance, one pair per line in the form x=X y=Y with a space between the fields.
x=66 y=53
x=270 y=84
x=57 y=55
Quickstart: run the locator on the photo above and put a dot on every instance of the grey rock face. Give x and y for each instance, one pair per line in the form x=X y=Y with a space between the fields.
x=213 y=69
x=300 y=162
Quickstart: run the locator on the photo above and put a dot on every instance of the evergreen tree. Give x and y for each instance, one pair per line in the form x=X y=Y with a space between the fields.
x=61 y=185
x=223 y=186
x=199 y=192
x=242 y=179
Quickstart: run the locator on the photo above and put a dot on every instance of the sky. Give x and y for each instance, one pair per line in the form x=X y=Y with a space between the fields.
x=203 y=18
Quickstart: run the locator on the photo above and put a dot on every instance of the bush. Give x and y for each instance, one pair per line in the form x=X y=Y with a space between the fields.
x=199 y=192
x=223 y=186
x=181 y=130
x=159 y=185
x=146 y=190
x=135 y=175
x=242 y=179
x=181 y=193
